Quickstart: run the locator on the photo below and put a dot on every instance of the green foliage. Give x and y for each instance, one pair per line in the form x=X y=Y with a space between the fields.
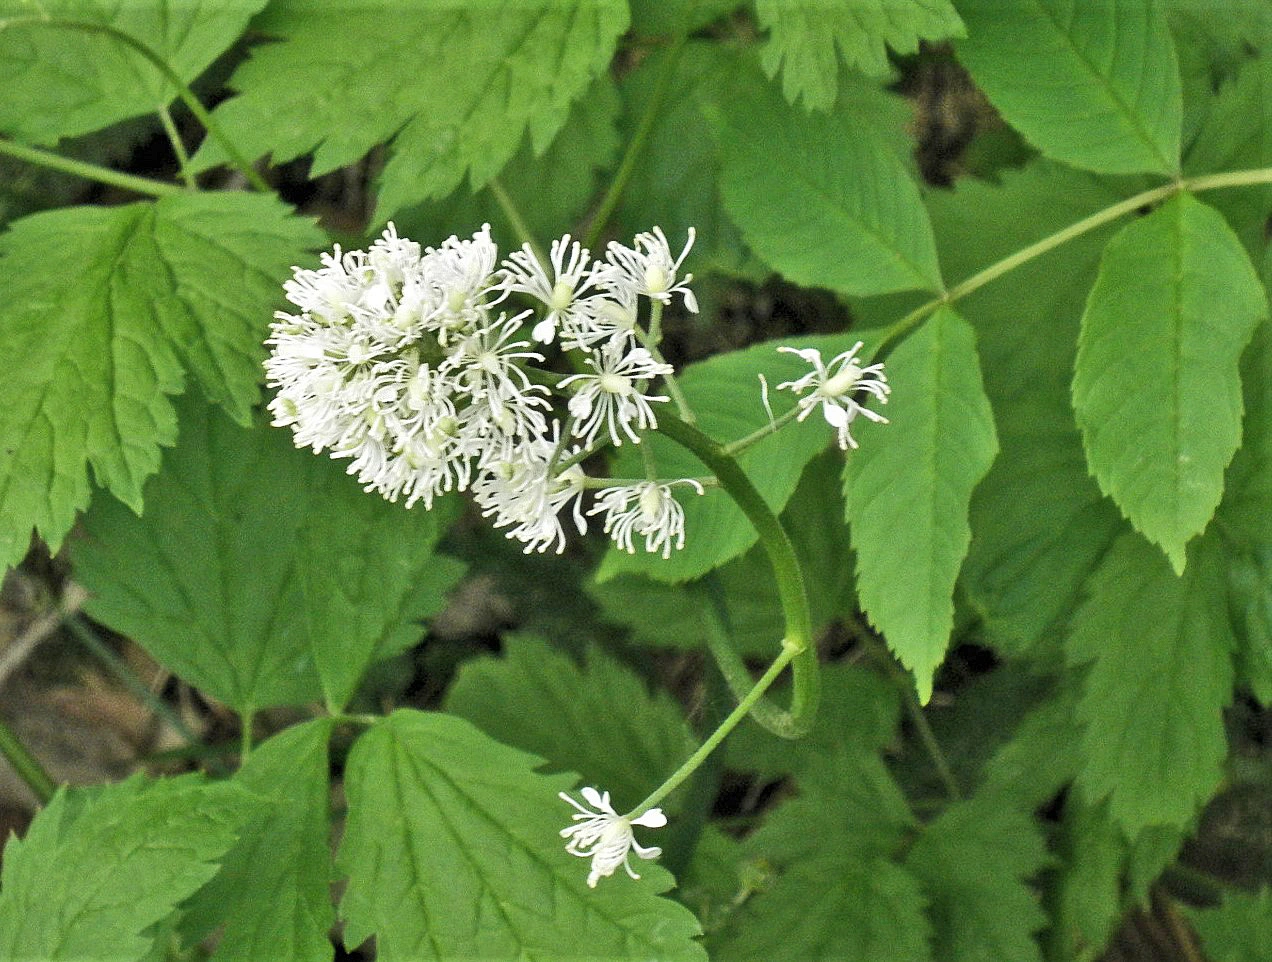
x=1238 y=930
x=907 y=501
x=460 y=829
x=1090 y=83
x=185 y=284
x=260 y=574
x=804 y=35
x=481 y=76
x=99 y=867
x=821 y=198
x=1160 y=654
x=66 y=71
x=1156 y=389
x=273 y=891
x=538 y=700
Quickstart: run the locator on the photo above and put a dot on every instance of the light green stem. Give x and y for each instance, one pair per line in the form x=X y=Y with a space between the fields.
x=635 y=146
x=519 y=225
x=80 y=168
x=183 y=90
x=26 y=765
x=178 y=147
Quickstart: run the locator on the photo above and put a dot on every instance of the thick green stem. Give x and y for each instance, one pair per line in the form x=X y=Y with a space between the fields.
x=183 y=90
x=26 y=765
x=635 y=146
x=79 y=168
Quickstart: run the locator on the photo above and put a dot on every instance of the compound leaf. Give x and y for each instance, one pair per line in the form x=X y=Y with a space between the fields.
x=261 y=573
x=100 y=866
x=62 y=81
x=909 y=485
x=1160 y=650
x=1091 y=83
x=1156 y=387
x=452 y=851
x=141 y=293
x=481 y=75
x=804 y=35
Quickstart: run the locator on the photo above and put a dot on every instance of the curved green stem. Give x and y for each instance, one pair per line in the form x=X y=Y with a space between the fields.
x=183 y=90
x=715 y=620
x=1235 y=178
x=80 y=168
x=26 y=765
x=178 y=148
x=635 y=146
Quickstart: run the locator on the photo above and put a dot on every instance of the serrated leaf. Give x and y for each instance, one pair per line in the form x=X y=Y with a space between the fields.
x=452 y=850
x=837 y=894
x=804 y=35
x=909 y=485
x=1039 y=522
x=100 y=866
x=1246 y=509
x=973 y=862
x=550 y=188
x=600 y=720
x=273 y=893
x=1041 y=756
x=62 y=82
x=1088 y=881
x=1156 y=388
x=654 y=17
x=258 y=570
x=140 y=294
x=1160 y=655
x=481 y=76
x=822 y=198
x=669 y=616
x=1237 y=931
x=1091 y=83
x=716 y=531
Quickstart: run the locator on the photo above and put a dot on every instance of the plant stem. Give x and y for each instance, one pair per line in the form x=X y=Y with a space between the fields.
x=1234 y=178
x=635 y=146
x=519 y=225
x=80 y=168
x=716 y=737
x=178 y=148
x=26 y=765
x=183 y=90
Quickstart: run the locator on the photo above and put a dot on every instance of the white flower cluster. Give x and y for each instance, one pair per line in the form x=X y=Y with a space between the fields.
x=402 y=361
x=604 y=836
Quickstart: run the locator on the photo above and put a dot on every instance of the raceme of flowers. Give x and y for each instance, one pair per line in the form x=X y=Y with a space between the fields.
x=411 y=364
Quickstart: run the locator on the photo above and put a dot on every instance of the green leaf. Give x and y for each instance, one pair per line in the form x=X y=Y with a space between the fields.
x=1250 y=601
x=1041 y=756
x=1039 y=522
x=452 y=851
x=669 y=616
x=254 y=561
x=1238 y=930
x=909 y=485
x=1091 y=83
x=822 y=198
x=140 y=294
x=973 y=862
x=600 y=720
x=273 y=893
x=479 y=76
x=804 y=35
x=1160 y=654
x=100 y=866
x=716 y=531
x=1246 y=510
x=1088 y=879
x=549 y=188
x=62 y=82
x=838 y=894
x=1156 y=387
x=655 y=17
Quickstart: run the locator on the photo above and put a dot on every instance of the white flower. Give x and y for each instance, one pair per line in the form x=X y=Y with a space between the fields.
x=562 y=293
x=612 y=397
x=607 y=316
x=605 y=837
x=648 y=268
x=523 y=494
x=835 y=384
x=645 y=509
